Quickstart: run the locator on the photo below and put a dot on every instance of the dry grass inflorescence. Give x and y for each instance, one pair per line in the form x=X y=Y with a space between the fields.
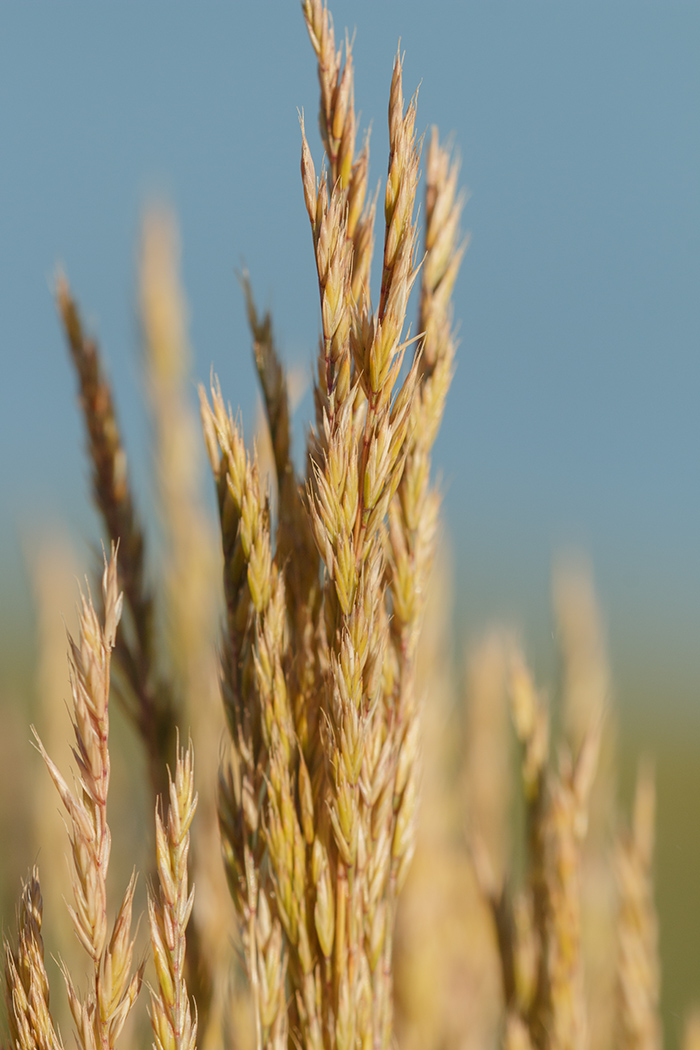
x=338 y=712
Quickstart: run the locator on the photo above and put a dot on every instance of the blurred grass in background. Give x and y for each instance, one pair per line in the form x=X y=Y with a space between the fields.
x=666 y=729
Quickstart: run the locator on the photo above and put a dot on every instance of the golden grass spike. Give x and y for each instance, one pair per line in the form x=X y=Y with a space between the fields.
x=26 y=982
x=358 y=456
x=256 y=703
x=172 y=1019
x=100 y=1016
x=147 y=699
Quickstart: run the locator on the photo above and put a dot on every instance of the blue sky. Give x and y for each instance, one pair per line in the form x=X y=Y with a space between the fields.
x=573 y=418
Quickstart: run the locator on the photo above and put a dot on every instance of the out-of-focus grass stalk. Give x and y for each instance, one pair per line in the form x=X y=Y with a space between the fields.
x=539 y=929
x=145 y=694
x=423 y=954
x=53 y=566
x=691 y=1030
x=487 y=769
x=188 y=570
x=446 y=968
x=585 y=686
x=638 y=977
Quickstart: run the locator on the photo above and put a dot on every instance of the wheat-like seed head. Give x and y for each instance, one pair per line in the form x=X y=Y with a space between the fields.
x=146 y=696
x=174 y=1027
x=26 y=982
x=99 y=1017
